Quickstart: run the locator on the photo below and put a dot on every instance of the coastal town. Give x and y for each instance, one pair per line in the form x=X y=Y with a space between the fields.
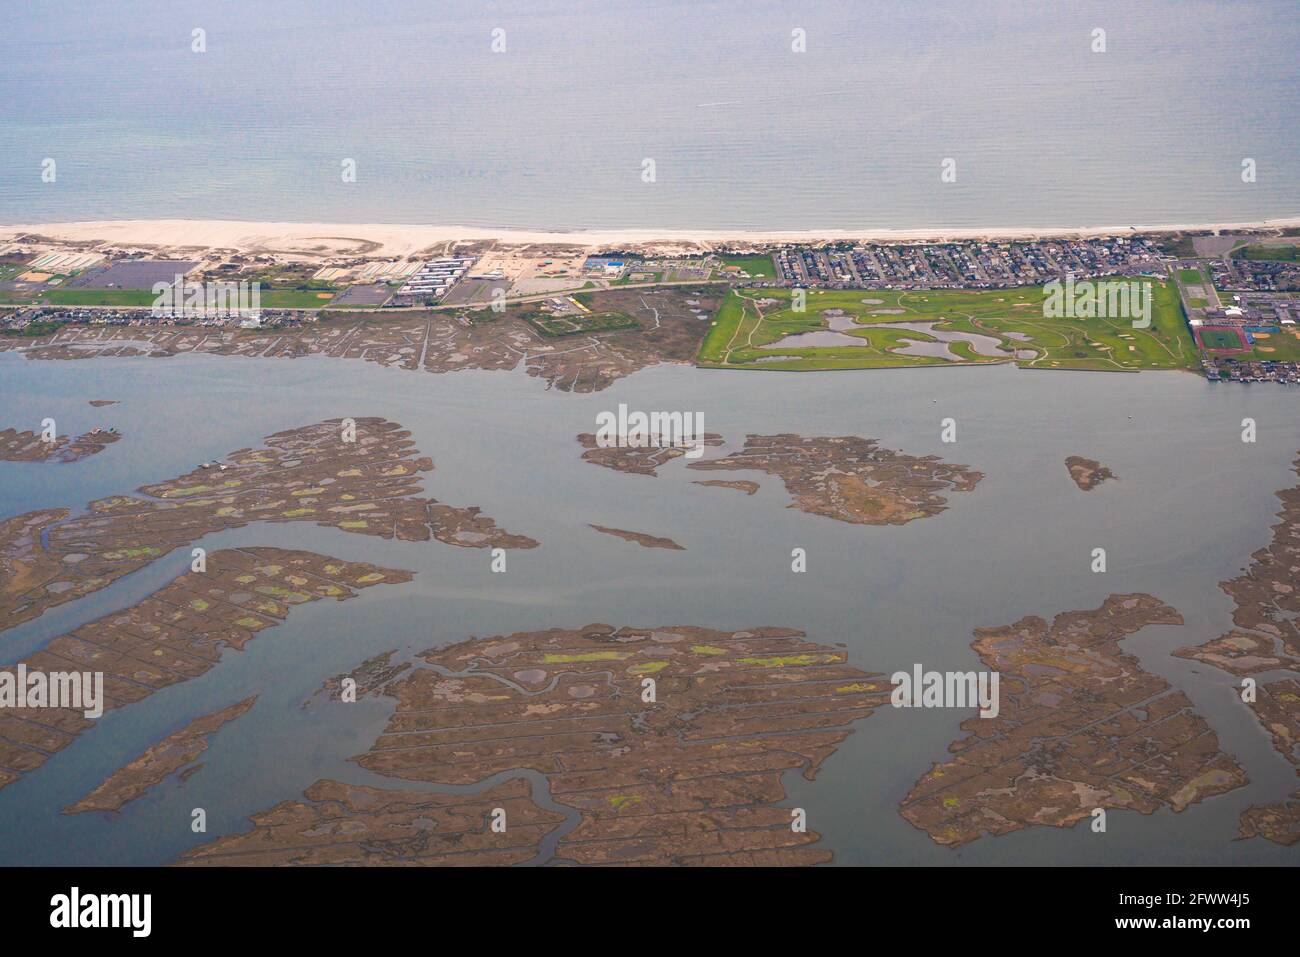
x=969 y=265
x=1238 y=293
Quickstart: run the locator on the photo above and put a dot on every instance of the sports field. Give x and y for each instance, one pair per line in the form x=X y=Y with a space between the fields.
x=754 y=265
x=1220 y=340
x=862 y=329
x=1282 y=344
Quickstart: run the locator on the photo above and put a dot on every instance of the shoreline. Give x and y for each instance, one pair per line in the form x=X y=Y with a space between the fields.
x=380 y=239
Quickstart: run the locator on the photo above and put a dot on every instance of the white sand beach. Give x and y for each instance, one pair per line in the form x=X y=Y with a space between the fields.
x=394 y=240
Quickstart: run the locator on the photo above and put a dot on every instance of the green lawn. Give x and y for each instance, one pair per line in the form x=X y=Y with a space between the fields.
x=1282 y=345
x=1285 y=253
x=751 y=319
x=271 y=298
x=295 y=298
x=89 y=297
x=1220 y=339
x=755 y=265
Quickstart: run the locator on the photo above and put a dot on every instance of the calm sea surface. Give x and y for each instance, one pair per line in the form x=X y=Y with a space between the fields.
x=1191 y=504
x=744 y=133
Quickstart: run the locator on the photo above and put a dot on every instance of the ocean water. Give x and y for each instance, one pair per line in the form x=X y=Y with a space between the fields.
x=744 y=132
x=1191 y=503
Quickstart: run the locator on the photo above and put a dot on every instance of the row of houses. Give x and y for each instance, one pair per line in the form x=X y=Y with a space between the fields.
x=964 y=265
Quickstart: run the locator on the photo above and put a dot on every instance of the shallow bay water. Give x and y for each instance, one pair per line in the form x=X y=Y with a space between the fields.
x=1190 y=504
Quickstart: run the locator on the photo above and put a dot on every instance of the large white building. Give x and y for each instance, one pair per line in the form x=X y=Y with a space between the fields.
x=436 y=276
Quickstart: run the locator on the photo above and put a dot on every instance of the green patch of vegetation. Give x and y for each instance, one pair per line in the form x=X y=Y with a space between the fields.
x=144 y=551
x=83 y=297
x=1283 y=345
x=752 y=327
x=1191 y=277
x=295 y=299
x=1182 y=247
x=286 y=276
x=1288 y=253
x=32 y=330
x=271 y=298
x=794 y=661
x=647 y=667
x=186 y=490
x=284 y=594
x=756 y=265
x=563 y=659
x=1220 y=339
